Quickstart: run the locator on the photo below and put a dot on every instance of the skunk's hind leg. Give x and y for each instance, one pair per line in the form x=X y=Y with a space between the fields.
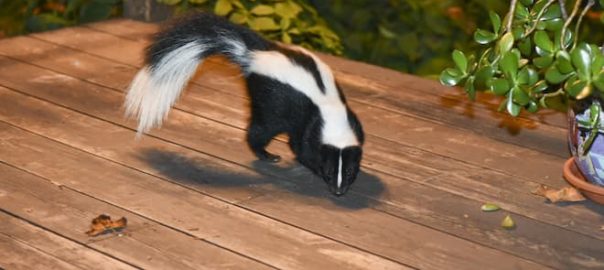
x=258 y=137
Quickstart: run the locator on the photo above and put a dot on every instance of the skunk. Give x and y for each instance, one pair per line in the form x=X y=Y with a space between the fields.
x=292 y=91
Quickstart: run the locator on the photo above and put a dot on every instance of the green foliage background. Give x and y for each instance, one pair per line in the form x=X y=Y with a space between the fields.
x=27 y=16
x=414 y=36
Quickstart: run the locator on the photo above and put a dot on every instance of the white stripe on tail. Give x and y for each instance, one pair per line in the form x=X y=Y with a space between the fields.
x=154 y=90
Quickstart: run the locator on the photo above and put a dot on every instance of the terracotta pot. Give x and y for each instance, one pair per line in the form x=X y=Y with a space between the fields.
x=591 y=164
x=576 y=179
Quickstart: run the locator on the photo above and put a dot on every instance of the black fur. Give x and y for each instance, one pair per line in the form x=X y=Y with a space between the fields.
x=276 y=107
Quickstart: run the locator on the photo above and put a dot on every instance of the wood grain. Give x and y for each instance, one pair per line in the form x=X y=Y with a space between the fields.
x=145 y=243
x=415 y=190
x=25 y=245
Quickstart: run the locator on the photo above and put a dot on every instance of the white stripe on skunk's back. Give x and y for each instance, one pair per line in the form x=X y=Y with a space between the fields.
x=336 y=130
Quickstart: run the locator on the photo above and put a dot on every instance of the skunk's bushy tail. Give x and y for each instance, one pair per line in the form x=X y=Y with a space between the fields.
x=173 y=57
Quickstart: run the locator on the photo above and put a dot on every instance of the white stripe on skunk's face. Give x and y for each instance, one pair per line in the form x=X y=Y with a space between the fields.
x=339 y=167
x=336 y=128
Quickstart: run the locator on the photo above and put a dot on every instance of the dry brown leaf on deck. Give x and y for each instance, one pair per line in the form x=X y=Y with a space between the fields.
x=566 y=194
x=103 y=224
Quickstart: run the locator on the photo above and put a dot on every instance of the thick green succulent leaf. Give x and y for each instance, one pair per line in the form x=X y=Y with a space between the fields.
x=451 y=77
x=526 y=2
x=581 y=59
x=527 y=76
x=554 y=25
x=484 y=37
x=500 y=86
x=578 y=89
x=543 y=42
x=483 y=75
x=598 y=61
x=470 y=89
x=460 y=60
x=532 y=107
x=520 y=97
x=543 y=61
x=554 y=76
x=506 y=43
x=512 y=108
x=552 y=12
x=540 y=86
x=522 y=13
x=563 y=62
x=598 y=81
x=525 y=46
x=509 y=65
x=495 y=21
x=568 y=40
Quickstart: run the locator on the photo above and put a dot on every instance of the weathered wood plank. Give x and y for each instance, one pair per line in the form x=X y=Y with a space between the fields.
x=145 y=243
x=414 y=189
x=223 y=224
x=43 y=245
x=18 y=255
x=458 y=178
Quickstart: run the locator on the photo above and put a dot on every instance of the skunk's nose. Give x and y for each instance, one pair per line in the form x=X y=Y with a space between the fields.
x=339 y=193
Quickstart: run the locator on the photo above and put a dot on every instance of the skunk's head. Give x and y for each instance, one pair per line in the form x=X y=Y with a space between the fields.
x=339 y=167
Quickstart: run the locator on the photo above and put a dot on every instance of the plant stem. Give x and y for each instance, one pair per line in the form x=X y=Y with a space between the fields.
x=568 y=21
x=549 y=3
x=587 y=7
x=511 y=15
x=562 y=4
x=553 y=94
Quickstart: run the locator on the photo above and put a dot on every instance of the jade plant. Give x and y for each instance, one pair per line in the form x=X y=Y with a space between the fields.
x=533 y=58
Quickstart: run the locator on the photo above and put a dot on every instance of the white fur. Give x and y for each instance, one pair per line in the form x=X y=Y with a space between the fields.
x=340 y=170
x=336 y=130
x=154 y=91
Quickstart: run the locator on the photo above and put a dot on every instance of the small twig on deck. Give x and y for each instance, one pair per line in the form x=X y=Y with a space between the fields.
x=511 y=15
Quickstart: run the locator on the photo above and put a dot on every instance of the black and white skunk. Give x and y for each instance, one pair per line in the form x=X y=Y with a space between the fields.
x=291 y=91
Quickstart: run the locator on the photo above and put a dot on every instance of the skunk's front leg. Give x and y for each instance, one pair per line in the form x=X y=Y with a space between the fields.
x=258 y=137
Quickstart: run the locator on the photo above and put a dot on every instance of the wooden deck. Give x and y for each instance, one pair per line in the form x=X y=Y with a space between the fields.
x=195 y=197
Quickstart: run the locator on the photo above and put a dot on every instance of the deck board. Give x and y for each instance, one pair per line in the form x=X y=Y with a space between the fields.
x=416 y=205
x=148 y=244
x=425 y=210
x=25 y=243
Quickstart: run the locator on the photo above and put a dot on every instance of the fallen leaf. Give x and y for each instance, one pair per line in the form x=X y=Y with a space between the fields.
x=508 y=223
x=103 y=224
x=566 y=194
x=489 y=207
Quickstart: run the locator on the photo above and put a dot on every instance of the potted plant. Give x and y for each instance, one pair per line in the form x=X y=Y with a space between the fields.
x=535 y=59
